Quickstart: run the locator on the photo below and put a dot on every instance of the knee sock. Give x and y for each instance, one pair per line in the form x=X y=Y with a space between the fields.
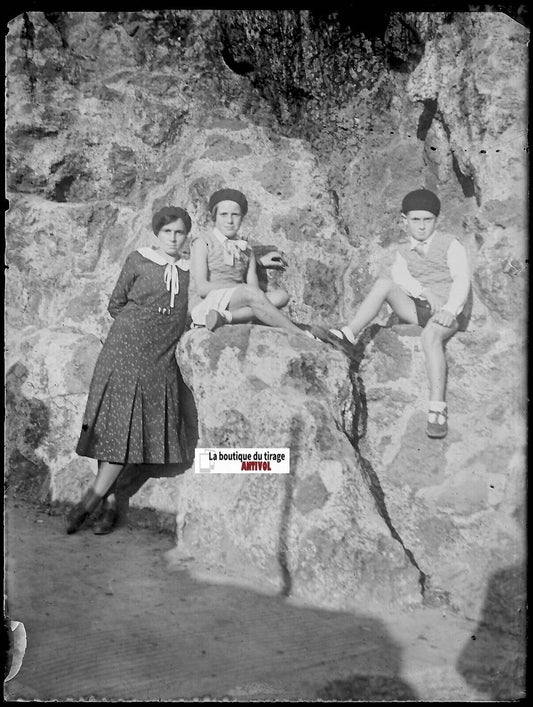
x=348 y=333
x=434 y=408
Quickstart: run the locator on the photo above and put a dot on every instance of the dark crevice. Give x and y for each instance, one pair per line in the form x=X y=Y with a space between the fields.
x=27 y=36
x=282 y=553
x=238 y=67
x=27 y=32
x=426 y=118
x=57 y=20
x=357 y=431
x=61 y=189
x=466 y=182
x=282 y=546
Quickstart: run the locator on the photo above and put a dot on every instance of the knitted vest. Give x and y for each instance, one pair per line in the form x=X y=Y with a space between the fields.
x=431 y=270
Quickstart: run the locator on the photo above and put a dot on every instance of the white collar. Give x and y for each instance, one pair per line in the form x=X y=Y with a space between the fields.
x=224 y=239
x=170 y=275
x=425 y=244
x=161 y=258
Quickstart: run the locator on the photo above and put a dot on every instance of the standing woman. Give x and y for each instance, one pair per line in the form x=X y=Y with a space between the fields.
x=135 y=412
x=224 y=272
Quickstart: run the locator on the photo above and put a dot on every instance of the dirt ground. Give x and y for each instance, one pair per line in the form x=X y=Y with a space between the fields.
x=107 y=618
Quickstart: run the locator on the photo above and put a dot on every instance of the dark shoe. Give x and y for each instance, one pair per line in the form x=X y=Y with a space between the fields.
x=81 y=511
x=437 y=426
x=214 y=320
x=341 y=343
x=106 y=521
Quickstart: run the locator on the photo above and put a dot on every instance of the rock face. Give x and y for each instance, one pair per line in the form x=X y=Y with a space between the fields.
x=325 y=123
x=314 y=533
x=458 y=503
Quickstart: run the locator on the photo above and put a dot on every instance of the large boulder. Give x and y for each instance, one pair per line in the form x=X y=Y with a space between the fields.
x=458 y=503
x=47 y=380
x=317 y=532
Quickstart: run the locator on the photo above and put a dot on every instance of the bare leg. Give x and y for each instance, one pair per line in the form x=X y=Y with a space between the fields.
x=383 y=290
x=279 y=299
x=262 y=308
x=433 y=339
x=108 y=473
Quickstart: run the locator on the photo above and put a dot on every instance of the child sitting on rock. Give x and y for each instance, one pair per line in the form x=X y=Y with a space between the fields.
x=428 y=285
x=224 y=272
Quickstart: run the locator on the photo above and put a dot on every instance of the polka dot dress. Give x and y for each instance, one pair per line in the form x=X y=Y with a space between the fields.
x=135 y=411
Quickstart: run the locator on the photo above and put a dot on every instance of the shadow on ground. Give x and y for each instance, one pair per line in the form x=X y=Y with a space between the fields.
x=489 y=661
x=106 y=618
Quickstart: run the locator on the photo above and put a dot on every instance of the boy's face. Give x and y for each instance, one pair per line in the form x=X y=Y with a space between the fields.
x=420 y=224
x=228 y=218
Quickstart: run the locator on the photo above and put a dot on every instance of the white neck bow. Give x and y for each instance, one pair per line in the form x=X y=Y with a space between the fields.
x=232 y=246
x=170 y=275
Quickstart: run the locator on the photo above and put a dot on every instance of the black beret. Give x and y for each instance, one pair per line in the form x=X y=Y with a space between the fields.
x=229 y=195
x=168 y=214
x=421 y=200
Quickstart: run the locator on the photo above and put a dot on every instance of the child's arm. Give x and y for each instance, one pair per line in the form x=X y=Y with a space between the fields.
x=251 y=275
x=460 y=287
x=199 y=270
x=460 y=272
x=401 y=276
x=119 y=296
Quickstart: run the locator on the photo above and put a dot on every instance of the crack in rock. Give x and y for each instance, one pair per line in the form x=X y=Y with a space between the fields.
x=356 y=430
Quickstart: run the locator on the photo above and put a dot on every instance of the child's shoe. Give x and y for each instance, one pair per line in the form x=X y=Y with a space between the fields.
x=338 y=340
x=214 y=320
x=437 y=423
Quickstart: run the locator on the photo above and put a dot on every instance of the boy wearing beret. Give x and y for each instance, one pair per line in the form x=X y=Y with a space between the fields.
x=428 y=285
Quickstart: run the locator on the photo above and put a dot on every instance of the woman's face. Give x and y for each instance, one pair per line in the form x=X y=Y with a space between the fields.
x=229 y=218
x=172 y=237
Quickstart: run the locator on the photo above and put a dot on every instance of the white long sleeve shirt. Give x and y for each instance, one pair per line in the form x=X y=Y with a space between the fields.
x=459 y=270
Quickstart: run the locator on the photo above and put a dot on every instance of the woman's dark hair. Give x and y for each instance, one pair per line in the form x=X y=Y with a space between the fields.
x=168 y=214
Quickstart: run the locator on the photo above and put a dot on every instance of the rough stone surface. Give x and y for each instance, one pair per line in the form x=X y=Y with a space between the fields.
x=325 y=122
x=457 y=503
x=315 y=533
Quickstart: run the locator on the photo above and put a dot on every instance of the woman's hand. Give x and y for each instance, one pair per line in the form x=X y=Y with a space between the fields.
x=273 y=260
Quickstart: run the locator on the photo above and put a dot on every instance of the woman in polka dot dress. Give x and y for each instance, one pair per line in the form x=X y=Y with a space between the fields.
x=135 y=412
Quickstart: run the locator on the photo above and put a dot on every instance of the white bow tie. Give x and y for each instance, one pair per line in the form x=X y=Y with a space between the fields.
x=232 y=246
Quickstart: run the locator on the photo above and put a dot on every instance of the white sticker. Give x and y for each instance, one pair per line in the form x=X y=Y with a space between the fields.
x=249 y=460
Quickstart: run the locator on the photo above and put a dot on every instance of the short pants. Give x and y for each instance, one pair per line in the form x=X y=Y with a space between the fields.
x=216 y=299
x=423 y=313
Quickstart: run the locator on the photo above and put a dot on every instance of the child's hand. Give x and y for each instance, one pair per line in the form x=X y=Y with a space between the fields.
x=434 y=302
x=273 y=260
x=444 y=318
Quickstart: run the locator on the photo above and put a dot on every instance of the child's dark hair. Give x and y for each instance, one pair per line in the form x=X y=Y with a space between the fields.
x=227 y=195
